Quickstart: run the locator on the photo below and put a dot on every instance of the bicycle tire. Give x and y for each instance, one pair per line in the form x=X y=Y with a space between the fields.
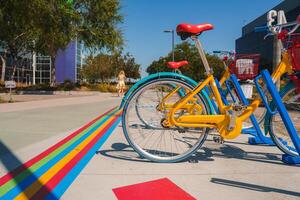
x=149 y=153
x=282 y=139
x=260 y=117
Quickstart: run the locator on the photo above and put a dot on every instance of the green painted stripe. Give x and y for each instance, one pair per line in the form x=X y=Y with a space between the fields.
x=14 y=181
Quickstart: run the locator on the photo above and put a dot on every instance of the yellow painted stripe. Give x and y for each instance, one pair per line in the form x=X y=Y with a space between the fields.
x=34 y=187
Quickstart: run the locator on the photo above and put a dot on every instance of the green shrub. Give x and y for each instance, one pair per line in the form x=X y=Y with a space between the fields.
x=2 y=88
x=68 y=85
x=93 y=87
x=1 y=100
x=105 y=87
x=39 y=87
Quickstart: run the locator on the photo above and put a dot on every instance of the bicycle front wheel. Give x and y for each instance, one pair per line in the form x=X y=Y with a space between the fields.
x=141 y=107
x=153 y=140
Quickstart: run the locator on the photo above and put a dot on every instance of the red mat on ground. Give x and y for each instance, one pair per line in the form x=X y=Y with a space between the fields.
x=161 y=189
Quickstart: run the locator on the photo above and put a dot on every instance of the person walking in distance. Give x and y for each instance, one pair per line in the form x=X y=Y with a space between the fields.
x=121 y=83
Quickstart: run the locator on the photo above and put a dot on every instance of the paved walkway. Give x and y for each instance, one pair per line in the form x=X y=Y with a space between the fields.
x=234 y=170
x=48 y=95
x=26 y=123
x=50 y=173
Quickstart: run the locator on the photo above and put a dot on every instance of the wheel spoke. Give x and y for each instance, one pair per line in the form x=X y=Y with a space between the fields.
x=143 y=128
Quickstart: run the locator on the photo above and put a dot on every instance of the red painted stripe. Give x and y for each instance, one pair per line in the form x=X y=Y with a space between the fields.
x=152 y=190
x=50 y=185
x=31 y=162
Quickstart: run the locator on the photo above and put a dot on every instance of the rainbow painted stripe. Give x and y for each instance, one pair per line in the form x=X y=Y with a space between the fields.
x=48 y=175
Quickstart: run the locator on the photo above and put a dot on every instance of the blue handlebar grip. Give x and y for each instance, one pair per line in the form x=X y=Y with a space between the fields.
x=261 y=29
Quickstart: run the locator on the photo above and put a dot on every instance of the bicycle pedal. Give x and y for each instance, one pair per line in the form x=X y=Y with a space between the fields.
x=193 y=161
x=218 y=139
x=238 y=107
x=181 y=131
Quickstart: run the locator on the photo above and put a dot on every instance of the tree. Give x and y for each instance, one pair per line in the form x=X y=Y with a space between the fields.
x=195 y=68
x=3 y=57
x=47 y=26
x=97 y=22
x=127 y=63
x=55 y=23
x=103 y=67
x=92 y=22
x=98 y=68
x=17 y=30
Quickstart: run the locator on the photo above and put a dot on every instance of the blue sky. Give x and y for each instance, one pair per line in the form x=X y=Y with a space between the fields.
x=145 y=20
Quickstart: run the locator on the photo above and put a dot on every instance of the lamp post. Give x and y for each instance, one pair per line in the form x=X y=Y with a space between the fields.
x=171 y=31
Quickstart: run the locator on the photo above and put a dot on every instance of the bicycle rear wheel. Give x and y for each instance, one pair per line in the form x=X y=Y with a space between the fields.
x=259 y=113
x=153 y=140
x=277 y=130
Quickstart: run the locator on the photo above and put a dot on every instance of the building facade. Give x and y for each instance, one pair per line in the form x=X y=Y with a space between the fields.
x=69 y=62
x=36 y=69
x=23 y=71
x=254 y=42
x=41 y=65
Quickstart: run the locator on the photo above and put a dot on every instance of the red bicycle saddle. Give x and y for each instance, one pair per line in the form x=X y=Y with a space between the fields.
x=187 y=30
x=176 y=65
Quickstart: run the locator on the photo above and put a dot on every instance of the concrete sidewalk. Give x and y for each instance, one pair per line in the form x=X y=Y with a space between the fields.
x=43 y=123
x=45 y=101
x=234 y=170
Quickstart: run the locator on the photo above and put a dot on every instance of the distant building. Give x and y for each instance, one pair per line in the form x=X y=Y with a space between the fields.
x=42 y=69
x=69 y=62
x=36 y=68
x=252 y=42
x=23 y=72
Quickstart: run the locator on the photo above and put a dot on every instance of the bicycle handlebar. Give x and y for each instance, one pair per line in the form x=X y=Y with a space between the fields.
x=261 y=29
x=224 y=52
x=276 y=29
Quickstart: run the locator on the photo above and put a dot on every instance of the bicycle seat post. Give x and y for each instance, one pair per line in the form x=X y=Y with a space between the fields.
x=202 y=55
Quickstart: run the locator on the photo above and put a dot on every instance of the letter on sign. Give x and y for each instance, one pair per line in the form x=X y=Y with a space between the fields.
x=272 y=16
x=281 y=17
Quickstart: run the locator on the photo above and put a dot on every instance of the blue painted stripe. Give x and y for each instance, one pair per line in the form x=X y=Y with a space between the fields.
x=60 y=188
x=34 y=176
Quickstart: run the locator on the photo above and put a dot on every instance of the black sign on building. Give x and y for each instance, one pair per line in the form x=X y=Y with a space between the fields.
x=253 y=42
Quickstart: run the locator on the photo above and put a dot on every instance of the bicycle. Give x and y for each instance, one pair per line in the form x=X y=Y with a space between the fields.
x=258 y=137
x=245 y=79
x=290 y=95
x=187 y=132
x=239 y=64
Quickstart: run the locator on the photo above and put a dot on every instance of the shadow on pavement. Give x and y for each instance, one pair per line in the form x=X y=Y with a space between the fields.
x=253 y=187
x=12 y=165
x=233 y=152
x=125 y=152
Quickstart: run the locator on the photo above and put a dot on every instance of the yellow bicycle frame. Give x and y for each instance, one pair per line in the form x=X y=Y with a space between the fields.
x=220 y=121
x=163 y=105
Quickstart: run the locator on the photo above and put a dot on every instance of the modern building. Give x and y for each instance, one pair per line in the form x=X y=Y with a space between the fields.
x=36 y=69
x=42 y=65
x=69 y=62
x=254 y=42
x=23 y=71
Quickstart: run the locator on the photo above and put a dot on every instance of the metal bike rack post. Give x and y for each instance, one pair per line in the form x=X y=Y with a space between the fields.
x=258 y=136
x=285 y=117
